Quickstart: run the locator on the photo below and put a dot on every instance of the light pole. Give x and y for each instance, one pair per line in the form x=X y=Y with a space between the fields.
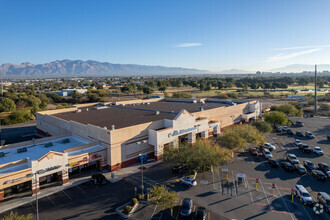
x=36 y=184
x=141 y=158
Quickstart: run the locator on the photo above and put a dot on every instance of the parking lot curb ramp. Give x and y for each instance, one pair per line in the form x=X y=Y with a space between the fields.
x=119 y=175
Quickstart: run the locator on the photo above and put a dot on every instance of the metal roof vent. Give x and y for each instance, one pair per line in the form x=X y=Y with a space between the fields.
x=78 y=110
x=157 y=112
x=194 y=101
x=148 y=103
x=87 y=109
x=21 y=150
x=201 y=109
x=105 y=128
x=112 y=127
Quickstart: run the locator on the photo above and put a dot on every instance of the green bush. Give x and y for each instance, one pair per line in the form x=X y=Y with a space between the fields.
x=223 y=96
x=134 y=201
x=181 y=95
x=18 y=116
x=139 y=196
x=7 y=105
x=233 y=95
x=325 y=106
x=127 y=209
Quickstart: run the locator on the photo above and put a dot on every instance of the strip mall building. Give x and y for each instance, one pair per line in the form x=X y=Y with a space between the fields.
x=111 y=136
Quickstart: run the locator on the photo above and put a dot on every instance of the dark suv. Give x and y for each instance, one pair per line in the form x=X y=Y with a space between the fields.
x=179 y=168
x=324 y=199
x=299 y=124
x=304 y=148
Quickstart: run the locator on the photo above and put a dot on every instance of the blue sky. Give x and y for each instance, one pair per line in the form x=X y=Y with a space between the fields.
x=213 y=35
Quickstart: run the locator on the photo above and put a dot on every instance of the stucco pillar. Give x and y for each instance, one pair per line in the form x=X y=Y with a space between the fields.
x=216 y=131
x=65 y=177
x=192 y=137
x=2 y=194
x=35 y=185
x=158 y=152
x=205 y=134
x=176 y=142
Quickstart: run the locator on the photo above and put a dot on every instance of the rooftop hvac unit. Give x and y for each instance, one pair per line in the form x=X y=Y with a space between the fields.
x=112 y=127
x=194 y=101
x=87 y=109
x=157 y=112
x=78 y=110
x=21 y=150
x=2 y=154
x=65 y=141
x=49 y=144
x=148 y=103
x=201 y=109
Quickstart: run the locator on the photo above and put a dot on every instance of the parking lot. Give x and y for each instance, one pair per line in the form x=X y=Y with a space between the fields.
x=249 y=201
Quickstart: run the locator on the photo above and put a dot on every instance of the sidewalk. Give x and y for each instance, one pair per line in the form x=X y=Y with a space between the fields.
x=116 y=176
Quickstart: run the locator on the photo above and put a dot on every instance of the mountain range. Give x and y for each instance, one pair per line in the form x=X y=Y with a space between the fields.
x=79 y=68
x=73 y=68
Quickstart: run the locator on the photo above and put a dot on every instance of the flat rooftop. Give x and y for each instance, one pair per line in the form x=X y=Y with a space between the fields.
x=122 y=116
x=35 y=152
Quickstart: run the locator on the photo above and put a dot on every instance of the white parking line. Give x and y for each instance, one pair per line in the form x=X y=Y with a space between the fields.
x=51 y=201
x=306 y=211
x=263 y=189
x=220 y=181
x=284 y=203
x=66 y=194
x=81 y=189
x=33 y=207
x=247 y=182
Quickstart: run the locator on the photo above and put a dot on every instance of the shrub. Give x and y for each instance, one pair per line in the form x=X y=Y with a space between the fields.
x=134 y=201
x=6 y=105
x=127 y=209
x=233 y=95
x=18 y=116
x=325 y=106
x=139 y=196
x=223 y=96
x=181 y=95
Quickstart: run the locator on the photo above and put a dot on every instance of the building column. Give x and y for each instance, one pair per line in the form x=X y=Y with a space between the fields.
x=192 y=137
x=2 y=194
x=205 y=134
x=35 y=185
x=216 y=131
x=158 y=152
x=65 y=177
x=176 y=142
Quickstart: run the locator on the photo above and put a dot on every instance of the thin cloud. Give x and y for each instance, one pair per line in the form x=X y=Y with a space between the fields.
x=302 y=47
x=292 y=55
x=189 y=45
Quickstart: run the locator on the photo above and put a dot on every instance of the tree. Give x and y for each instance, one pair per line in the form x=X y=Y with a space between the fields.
x=238 y=137
x=204 y=154
x=161 y=196
x=221 y=84
x=162 y=88
x=276 y=118
x=147 y=90
x=7 y=105
x=16 y=216
x=263 y=126
x=288 y=109
x=18 y=116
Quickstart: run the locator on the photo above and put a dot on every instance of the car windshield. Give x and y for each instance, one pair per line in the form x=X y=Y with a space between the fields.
x=293 y=157
x=305 y=194
x=185 y=205
x=317 y=148
x=266 y=152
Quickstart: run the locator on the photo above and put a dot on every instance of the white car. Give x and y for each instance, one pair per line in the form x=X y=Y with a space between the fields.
x=269 y=146
x=188 y=181
x=267 y=154
x=303 y=195
x=292 y=159
x=317 y=150
x=297 y=142
x=285 y=128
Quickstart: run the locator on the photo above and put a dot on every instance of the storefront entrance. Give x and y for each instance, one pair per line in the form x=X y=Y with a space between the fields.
x=18 y=189
x=92 y=166
x=50 y=180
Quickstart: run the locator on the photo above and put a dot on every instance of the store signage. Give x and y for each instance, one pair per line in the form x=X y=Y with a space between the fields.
x=14 y=180
x=182 y=131
x=94 y=156
x=78 y=162
x=48 y=169
x=213 y=126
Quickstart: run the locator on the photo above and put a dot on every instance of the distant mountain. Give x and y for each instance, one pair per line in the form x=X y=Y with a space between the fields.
x=73 y=68
x=298 y=68
x=234 y=71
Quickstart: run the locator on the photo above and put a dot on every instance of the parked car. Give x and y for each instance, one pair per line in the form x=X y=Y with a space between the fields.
x=324 y=199
x=317 y=150
x=309 y=134
x=289 y=132
x=309 y=165
x=269 y=146
x=299 y=124
x=279 y=130
x=303 y=195
x=254 y=151
x=179 y=168
x=188 y=181
x=273 y=163
x=299 y=134
x=287 y=166
x=318 y=175
x=292 y=158
x=99 y=179
x=300 y=169
x=297 y=142
x=285 y=128
x=305 y=148
x=186 y=207
x=324 y=168
x=267 y=154
x=201 y=214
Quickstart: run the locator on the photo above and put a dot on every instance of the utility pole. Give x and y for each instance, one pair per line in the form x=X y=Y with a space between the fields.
x=315 y=101
x=35 y=174
x=1 y=86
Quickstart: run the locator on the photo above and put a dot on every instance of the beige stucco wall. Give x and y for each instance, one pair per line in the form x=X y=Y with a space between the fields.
x=12 y=176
